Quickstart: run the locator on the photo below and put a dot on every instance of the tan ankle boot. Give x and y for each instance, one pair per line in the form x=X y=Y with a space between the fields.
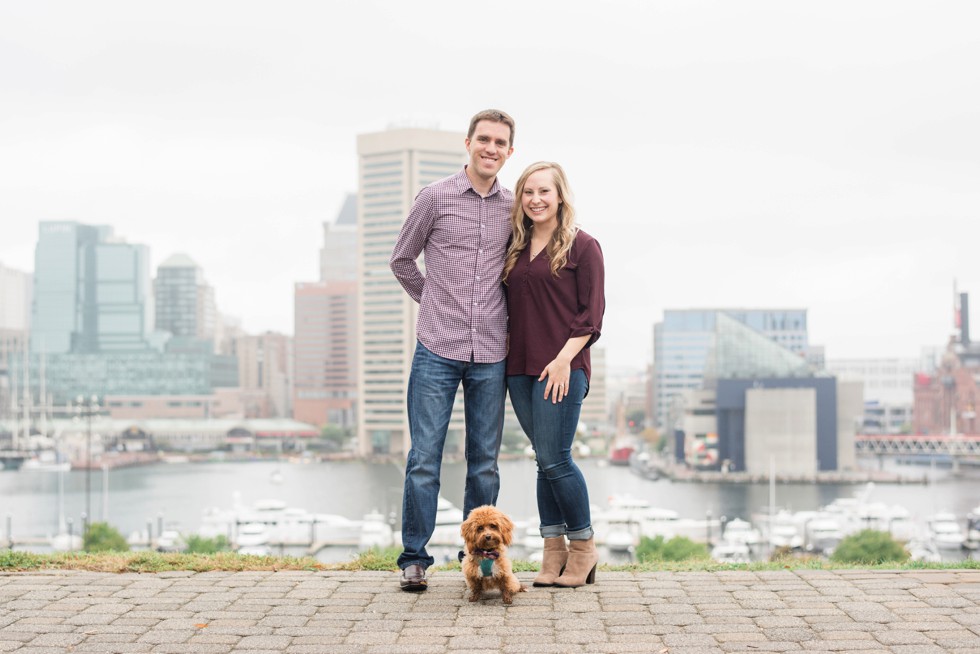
x=582 y=561
x=553 y=563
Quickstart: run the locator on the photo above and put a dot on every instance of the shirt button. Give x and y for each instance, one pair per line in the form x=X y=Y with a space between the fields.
x=482 y=225
x=474 y=330
x=481 y=250
x=477 y=278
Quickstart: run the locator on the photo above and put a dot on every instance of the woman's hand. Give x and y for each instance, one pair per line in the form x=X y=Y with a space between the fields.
x=558 y=372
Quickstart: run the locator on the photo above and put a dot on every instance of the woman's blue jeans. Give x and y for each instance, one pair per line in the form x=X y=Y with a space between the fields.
x=563 y=499
x=432 y=390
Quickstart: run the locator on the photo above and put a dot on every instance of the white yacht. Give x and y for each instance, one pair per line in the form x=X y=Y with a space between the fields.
x=823 y=533
x=728 y=551
x=375 y=532
x=742 y=531
x=973 y=528
x=253 y=538
x=945 y=531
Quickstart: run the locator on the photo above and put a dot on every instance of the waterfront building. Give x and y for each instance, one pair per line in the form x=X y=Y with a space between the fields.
x=265 y=373
x=15 y=316
x=595 y=407
x=325 y=353
x=338 y=256
x=761 y=403
x=393 y=166
x=946 y=399
x=93 y=323
x=887 y=391
x=233 y=403
x=683 y=340
x=16 y=288
x=92 y=291
x=185 y=304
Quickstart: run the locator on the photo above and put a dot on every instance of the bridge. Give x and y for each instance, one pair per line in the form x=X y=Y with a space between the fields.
x=957 y=446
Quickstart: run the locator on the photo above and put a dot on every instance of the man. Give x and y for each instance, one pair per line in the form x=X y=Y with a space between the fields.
x=462 y=224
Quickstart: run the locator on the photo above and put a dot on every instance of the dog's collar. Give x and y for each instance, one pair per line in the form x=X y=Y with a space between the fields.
x=486 y=554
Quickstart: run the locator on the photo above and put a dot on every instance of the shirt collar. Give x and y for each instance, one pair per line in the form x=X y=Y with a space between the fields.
x=464 y=184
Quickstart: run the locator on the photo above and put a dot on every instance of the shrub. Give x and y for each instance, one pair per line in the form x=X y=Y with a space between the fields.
x=678 y=548
x=201 y=545
x=103 y=537
x=869 y=547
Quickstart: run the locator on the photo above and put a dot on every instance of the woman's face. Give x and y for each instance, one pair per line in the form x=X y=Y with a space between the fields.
x=540 y=200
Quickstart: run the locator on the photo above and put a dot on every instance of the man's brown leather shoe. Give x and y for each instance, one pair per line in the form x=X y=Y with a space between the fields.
x=413 y=579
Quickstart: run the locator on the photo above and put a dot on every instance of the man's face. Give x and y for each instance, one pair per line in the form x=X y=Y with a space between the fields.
x=489 y=148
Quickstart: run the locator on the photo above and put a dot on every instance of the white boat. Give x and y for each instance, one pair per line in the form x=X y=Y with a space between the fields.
x=922 y=550
x=742 y=531
x=286 y=525
x=171 y=541
x=727 y=551
x=65 y=542
x=973 y=528
x=823 y=533
x=784 y=532
x=376 y=533
x=945 y=531
x=47 y=461
x=449 y=519
x=253 y=538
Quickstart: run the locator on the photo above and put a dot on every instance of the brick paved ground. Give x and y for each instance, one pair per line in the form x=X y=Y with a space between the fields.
x=664 y=612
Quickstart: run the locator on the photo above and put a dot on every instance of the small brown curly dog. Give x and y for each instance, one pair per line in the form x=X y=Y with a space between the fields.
x=487 y=532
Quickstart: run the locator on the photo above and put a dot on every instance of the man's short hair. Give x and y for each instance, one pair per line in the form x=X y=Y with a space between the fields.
x=495 y=116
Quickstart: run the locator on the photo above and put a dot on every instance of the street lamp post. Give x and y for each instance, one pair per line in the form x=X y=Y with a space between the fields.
x=87 y=407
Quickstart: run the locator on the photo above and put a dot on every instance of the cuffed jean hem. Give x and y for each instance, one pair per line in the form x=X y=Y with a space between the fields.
x=405 y=564
x=554 y=531
x=581 y=534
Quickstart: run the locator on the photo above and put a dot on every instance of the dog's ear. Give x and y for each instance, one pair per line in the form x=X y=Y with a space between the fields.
x=468 y=530
x=506 y=529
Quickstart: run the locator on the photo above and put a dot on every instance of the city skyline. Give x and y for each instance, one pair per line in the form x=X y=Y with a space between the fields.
x=757 y=155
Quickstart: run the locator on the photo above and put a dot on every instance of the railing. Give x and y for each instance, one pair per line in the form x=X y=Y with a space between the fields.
x=960 y=445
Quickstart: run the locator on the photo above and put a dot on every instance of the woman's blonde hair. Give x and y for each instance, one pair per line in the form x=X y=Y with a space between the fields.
x=563 y=236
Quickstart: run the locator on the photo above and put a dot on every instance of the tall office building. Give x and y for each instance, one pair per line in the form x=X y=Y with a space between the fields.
x=324 y=347
x=338 y=256
x=92 y=292
x=15 y=314
x=16 y=289
x=185 y=304
x=393 y=166
x=92 y=323
x=264 y=371
x=595 y=407
x=684 y=340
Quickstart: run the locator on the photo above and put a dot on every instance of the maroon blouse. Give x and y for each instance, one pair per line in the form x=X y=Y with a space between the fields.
x=545 y=312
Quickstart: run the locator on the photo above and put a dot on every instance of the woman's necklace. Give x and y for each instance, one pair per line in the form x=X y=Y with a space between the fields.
x=541 y=245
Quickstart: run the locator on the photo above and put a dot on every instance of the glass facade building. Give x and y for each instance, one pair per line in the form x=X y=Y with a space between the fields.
x=687 y=338
x=92 y=320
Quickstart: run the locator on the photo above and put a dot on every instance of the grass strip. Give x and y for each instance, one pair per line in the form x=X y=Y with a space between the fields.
x=385 y=560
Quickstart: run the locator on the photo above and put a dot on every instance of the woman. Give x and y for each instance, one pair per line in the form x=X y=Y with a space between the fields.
x=554 y=275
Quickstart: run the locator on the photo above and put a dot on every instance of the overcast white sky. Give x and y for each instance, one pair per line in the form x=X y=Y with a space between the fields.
x=823 y=155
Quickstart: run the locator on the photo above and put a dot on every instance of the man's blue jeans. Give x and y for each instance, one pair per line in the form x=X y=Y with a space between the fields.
x=563 y=498
x=431 y=392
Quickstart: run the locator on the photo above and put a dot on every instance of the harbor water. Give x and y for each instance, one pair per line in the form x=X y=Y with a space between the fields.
x=176 y=495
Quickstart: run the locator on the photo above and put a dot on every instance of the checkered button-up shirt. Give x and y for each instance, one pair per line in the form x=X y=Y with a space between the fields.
x=462 y=311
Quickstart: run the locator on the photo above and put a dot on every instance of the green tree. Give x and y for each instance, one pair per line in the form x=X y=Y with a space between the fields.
x=336 y=436
x=201 y=545
x=103 y=537
x=869 y=547
x=678 y=548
